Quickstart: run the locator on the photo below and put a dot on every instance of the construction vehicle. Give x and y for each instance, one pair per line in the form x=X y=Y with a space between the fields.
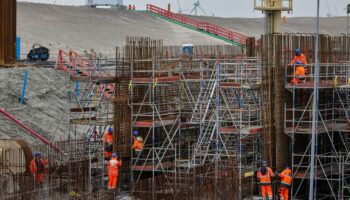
x=38 y=53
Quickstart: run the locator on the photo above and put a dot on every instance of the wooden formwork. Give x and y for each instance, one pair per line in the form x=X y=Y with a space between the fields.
x=7 y=31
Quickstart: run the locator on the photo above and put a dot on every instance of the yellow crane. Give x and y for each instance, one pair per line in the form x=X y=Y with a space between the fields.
x=273 y=10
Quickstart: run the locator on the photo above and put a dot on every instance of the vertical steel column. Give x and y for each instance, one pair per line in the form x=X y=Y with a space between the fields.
x=314 y=112
x=153 y=128
x=217 y=124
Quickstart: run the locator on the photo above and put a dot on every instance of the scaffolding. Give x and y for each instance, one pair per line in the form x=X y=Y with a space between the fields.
x=229 y=113
x=90 y=94
x=331 y=172
x=200 y=120
x=156 y=115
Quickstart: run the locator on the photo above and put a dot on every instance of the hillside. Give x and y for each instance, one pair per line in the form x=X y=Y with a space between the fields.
x=45 y=103
x=255 y=26
x=84 y=28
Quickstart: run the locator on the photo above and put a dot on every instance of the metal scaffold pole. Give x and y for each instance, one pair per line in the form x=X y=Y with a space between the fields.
x=314 y=113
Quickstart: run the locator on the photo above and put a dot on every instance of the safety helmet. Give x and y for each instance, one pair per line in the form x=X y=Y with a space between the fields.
x=287 y=167
x=110 y=130
x=136 y=132
x=264 y=163
x=114 y=155
x=298 y=62
x=298 y=52
x=139 y=138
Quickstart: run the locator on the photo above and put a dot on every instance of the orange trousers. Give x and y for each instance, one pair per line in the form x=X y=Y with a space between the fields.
x=284 y=193
x=39 y=178
x=112 y=181
x=266 y=191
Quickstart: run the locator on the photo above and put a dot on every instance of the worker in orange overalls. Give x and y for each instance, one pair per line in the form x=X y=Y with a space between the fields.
x=264 y=174
x=108 y=143
x=129 y=7
x=299 y=56
x=286 y=182
x=37 y=168
x=300 y=72
x=138 y=143
x=113 y=167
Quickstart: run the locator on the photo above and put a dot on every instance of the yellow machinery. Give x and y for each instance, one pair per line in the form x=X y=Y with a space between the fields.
x=273 y=10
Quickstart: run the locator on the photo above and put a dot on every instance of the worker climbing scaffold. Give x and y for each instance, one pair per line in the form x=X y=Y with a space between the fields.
x=108 y=143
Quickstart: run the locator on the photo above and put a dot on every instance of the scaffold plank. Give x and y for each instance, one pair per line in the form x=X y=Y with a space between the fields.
x=156 y=123
x=166 y=79
x=156 y=167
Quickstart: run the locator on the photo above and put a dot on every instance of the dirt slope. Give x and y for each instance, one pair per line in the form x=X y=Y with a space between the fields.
x=83 y=28
x=45 y=103
x=255 y=27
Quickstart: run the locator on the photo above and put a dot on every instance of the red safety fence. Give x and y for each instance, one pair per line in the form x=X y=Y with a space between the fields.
x=79 y=66
x=29 y=130
x=204 y=26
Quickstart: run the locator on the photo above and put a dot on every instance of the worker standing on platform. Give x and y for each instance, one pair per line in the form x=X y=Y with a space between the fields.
x=108 y=143
x=299 y=74
x=138 y=143
x=37 y=168
x=113 y=167
x=299 y=56
x=264 y=175
x=286 y=182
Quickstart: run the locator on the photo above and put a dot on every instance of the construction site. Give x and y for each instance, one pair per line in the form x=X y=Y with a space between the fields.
x=189 y=107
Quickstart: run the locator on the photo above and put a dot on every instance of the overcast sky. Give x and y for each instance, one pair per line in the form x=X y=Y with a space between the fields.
x=229 y=8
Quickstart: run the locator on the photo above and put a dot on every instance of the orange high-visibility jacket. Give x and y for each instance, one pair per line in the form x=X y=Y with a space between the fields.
x=301 y=58
x=266 y=178
x=108 y=138
x=33 y=168
x=137 y=146
x=286 y=177
x=113 y=166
